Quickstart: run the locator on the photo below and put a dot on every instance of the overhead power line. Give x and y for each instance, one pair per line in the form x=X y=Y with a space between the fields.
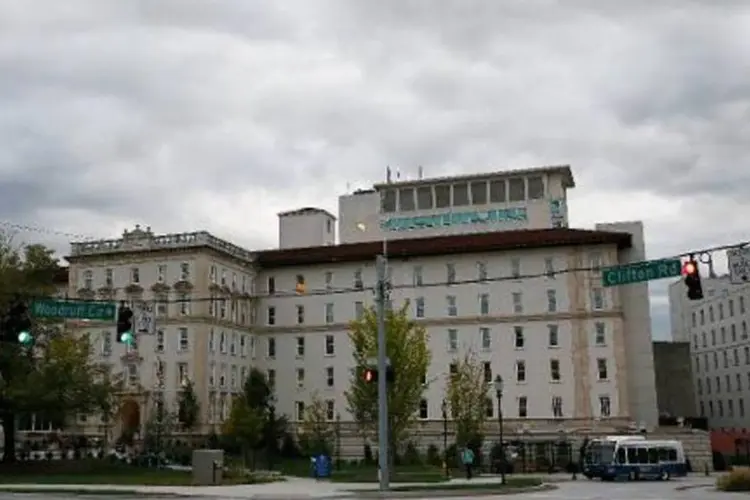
x=354 y=289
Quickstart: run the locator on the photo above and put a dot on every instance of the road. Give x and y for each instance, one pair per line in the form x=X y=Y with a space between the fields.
x=579 y=490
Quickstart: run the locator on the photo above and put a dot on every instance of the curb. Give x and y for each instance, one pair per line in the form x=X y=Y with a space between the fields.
x=694 y=486
x=450 y=493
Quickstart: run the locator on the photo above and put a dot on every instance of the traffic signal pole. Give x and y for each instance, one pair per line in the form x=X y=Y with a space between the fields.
x=380 y=299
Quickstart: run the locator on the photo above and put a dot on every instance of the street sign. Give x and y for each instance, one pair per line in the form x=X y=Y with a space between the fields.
x=738 y=260
x=144 y=321
x=70 y=309
x=639 y=272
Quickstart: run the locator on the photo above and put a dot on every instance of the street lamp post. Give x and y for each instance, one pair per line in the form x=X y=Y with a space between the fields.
x=499 y=393
x=444 y=408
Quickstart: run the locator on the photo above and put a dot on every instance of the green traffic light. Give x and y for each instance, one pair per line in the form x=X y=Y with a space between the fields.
x=25 y=338
x=126 y=338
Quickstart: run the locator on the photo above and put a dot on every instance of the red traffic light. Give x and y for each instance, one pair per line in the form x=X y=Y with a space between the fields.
x=689 y=268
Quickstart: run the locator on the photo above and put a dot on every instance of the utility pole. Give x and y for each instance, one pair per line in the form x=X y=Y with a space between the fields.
x=381 y=297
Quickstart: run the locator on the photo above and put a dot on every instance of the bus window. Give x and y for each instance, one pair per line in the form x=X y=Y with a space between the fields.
x=642 y=455
x=663 y=454
x=621 y=458
x=632 y=456
x=672 y=455
x=653 y=455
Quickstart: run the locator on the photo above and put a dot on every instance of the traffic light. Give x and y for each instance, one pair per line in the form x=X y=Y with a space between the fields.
x=692 y=279
x=18 y=325
x=125 y=325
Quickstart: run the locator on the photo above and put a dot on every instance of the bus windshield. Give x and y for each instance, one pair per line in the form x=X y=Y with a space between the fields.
x=601 y=453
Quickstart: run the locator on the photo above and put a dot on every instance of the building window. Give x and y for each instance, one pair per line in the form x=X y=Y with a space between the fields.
x=453 y=368
x=271 y=315
x=329 y=313
x=549 y=267
x=522 y=407
x=481 y=271
x=184 y=340
x=557 y=407
x=243 y=345
x=553 y=338
x=484 y=333
x=300 y=347
x=519 y=340
x=233 y=345
x=515 y=268
x=300 y=314
x=601 y=369
x=271 y=283
x=330 y=380
x=330 y=345
x=551 y=301
x=520 y=371
x=451 y=303
x=417 y=277
x=489 y=407
x=299 y=413
x=597 y=299
x=359 y=310
x=109 y=278
x=358 y=283
x=423 y=409
x=484 y=304
x=161 y=273
x=450 y=273
x=271 y=345
x=184 y=300
x=185 y=271
x=271 y=377
x=487 y=369
x=107 y=343
x=554 y=370
x=419 y=307
x=517 y=302
x=300 y=377
x=452 y=340
x=182 y=373
x=605 y=406
x=330 y=405
x=223 y=343
x=600 y=337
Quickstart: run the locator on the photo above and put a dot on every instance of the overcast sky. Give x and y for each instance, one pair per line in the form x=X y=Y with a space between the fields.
x=217 y=114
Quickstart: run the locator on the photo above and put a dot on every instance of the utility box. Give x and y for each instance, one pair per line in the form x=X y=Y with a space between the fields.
x=208 y=466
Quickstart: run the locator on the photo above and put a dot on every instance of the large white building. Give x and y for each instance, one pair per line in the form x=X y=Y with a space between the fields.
x=482 y=260
x=717 y=329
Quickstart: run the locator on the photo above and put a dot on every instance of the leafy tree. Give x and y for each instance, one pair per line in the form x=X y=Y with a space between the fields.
x=466 y=393
x=188 y=406
x=160 y=423
x=317 y=430
x=258 y=391
x=407 y=349
x=107 y=396
x=258 y=395
x=245 y=426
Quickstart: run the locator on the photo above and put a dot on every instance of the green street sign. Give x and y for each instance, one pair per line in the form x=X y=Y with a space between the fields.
x=639 y=272
x=68 y=309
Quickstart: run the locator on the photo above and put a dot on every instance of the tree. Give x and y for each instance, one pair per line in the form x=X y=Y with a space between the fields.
x=409 y=355
x=258 y=395
x=188 y=407
x=160 y=423
x=107 y=396
x=245 y=425
x=317 y=430
x=466 y=393
x=56 y=377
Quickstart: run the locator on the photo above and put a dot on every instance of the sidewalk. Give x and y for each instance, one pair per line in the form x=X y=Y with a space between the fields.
x=291 y=489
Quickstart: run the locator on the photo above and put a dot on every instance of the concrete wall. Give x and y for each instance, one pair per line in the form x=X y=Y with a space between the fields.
x=674 y=379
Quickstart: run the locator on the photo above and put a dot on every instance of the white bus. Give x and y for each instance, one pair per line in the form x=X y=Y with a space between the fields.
x=634 y=458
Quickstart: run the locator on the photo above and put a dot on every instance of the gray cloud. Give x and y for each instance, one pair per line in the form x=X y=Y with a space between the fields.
x=184 y=113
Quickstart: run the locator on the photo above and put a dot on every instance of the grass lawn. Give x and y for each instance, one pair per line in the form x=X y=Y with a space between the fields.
x=511 y=483
x=101 y=472
x=349 y=473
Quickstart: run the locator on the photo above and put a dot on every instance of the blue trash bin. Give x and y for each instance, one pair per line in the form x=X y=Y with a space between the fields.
x=323 y=466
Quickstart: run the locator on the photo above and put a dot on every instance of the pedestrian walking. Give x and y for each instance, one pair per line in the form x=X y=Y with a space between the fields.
x=467 y=458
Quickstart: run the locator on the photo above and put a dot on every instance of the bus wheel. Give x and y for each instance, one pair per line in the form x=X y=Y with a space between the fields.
x=664 y=475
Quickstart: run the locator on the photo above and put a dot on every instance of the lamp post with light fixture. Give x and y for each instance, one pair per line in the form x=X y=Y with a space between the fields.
x=499 y=393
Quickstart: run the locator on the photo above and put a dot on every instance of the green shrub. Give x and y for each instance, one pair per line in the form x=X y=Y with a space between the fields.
x=434 y=457
x=737 y=480
x=411 y=455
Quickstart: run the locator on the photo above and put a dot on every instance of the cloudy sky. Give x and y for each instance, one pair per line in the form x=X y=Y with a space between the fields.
x=217 y=114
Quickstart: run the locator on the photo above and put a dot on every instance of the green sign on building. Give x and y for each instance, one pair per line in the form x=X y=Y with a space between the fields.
x=503 y=215
x=68 y=309
x=641 y=271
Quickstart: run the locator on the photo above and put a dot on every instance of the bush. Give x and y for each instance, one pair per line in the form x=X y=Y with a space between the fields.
x=289 y=447
x=411 y=455
x=369 y=457
x=737 y=480
x=434 y=457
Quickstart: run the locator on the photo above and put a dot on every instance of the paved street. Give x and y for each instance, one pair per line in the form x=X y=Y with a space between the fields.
x=305 y=489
